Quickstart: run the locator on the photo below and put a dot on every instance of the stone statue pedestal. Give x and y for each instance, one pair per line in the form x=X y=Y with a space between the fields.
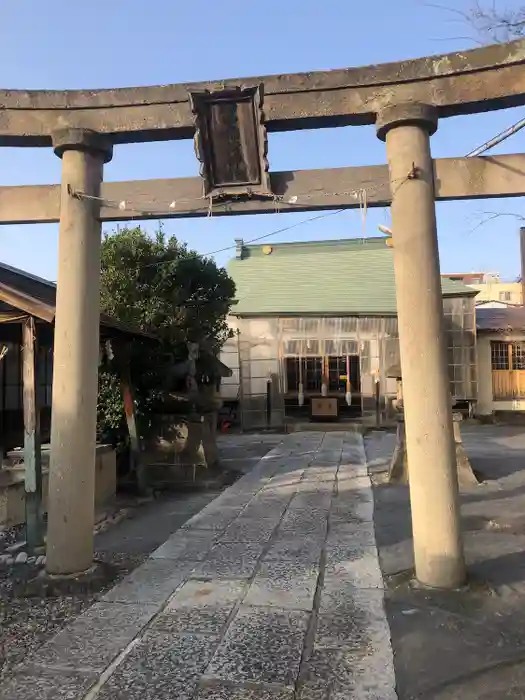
x=398 y=470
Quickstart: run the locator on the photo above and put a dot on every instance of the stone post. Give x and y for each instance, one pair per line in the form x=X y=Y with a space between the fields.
x=438 y=551
x=76 y=353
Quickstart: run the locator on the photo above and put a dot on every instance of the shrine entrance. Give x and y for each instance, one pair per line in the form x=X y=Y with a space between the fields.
x=230 y=121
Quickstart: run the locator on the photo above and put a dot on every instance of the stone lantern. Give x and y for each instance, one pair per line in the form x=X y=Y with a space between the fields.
x=398 y=469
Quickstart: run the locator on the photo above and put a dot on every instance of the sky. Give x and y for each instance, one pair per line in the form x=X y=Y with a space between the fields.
x=66 y=44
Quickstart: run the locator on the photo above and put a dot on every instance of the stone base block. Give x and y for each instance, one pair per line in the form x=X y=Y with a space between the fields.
x=12 y=483
x=398 y=471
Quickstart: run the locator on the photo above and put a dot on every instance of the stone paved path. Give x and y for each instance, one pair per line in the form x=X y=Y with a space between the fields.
x=272 y=592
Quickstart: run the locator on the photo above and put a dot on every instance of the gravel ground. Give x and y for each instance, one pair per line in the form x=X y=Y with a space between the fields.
x=10 y=535
x=25 y=623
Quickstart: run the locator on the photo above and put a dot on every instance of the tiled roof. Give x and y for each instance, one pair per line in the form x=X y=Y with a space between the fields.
x=511 y=318
x=351 y=277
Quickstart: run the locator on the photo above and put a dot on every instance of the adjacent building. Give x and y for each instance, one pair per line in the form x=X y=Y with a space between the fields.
x=498 y=294
x=501 y=360
x=471 y=278
x=320 y=316
x=492 y=292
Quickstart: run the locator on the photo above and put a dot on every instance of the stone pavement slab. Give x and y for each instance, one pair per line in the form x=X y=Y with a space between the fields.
x=265 y=506
x=186 y=546
x=160 y=667
x=347 y=676
x=92 y=641
x=153 y=582
x=351 y=617
x=271 y=592
x=229 y=692
x=245 y=529
x=277 y=584
x=307 y=521
x=230 y=560
x=213 y=518
x=262 y=645
x=296 y=550
x=47 y=684
x=200 y=607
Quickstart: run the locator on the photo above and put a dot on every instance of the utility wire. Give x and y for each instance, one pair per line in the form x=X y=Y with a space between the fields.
x=497 y=139
x=252 y=240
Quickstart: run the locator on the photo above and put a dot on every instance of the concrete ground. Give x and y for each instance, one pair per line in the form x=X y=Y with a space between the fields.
x=272 y=591
x=295 y=583
x=469 y=644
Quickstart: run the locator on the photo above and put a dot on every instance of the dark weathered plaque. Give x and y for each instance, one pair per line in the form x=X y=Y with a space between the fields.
x=231 y=142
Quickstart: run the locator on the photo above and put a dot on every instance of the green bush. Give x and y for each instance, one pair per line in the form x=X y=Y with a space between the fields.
x=159 y=286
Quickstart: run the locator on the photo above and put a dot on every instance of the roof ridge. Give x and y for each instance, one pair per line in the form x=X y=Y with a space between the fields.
x=362 y=241
x=28 y=275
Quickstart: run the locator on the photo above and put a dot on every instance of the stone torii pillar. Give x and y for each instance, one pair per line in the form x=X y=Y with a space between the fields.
x=433 y=481
x=76 y=350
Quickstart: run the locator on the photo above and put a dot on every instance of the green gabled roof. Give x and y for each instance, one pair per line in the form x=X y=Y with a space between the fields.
x=349 y=277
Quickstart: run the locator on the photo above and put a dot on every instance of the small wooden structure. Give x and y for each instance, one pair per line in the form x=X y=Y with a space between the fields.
x=27 y=312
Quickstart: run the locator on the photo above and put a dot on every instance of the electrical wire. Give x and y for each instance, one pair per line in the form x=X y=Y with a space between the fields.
x=361 y=195
x=502 y=136
x=252 y=240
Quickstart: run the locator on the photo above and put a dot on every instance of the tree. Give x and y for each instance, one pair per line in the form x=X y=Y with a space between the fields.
x=497 y=24
x=493 y=23
x=159 y=286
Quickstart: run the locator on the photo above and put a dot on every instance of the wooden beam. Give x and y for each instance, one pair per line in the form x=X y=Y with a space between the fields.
x=21 y=301
x=32 y=446
x=296 y=191
x=136 y=463
x=482 y=79
x=137 y=466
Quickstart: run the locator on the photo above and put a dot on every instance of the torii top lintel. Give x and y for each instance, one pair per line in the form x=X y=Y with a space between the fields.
x=478 y=80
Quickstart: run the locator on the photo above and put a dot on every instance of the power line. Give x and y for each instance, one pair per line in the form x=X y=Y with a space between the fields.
x=361 y=194
x=252 y=240
x=497 y=139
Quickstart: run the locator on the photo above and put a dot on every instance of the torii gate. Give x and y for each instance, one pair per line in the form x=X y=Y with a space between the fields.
x=404 y=100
